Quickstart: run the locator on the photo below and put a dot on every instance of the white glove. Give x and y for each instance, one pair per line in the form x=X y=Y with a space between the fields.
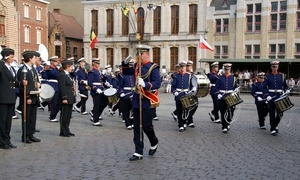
x=259 y=99
x=287 y=92
x=176 y=94
x=99 y=91
x=269 y=98
x=141 y=82
x=107 y=84
x=84 y=81
x=194 y=89
x=236 y=90
x=122 y=95
x=220 y=96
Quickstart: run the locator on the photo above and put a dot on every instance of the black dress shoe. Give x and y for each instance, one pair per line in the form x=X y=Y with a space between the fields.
x=34 y=139
x=71 y=134
x=5 y=146
x=152 y=151
x=27 y=140
x=135 y=158
x=64 y=135
x=36 y=130
x=11 y=145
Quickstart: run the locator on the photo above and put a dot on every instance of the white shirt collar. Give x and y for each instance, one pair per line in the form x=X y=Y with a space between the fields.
x=66 y=72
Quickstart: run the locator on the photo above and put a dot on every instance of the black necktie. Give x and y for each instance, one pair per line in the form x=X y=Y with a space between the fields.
x=12 y=71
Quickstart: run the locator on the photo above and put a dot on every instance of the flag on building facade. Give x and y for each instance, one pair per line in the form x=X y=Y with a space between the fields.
x=204 y=45
x=93 y=39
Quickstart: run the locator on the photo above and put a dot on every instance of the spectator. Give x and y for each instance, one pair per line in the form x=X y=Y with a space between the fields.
x=291 y=84
x=298 y=85
x=246 y=77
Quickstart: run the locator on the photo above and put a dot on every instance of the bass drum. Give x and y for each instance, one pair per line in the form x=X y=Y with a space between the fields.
x=203 y=85
x=47 y=92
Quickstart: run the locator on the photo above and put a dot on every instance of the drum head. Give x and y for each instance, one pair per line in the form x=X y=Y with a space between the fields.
x=47 y=91
x=280 y=98
x=110 y=92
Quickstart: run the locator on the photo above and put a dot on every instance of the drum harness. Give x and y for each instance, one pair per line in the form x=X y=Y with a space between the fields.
x=186 y=111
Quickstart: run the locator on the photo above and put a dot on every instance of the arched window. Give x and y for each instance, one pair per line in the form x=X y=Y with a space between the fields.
x=2 y=25
x=156 y=55
x=192 y=56
x=110 y=22
x=140 y=21
x=174 y=19
x=174 y=58
x=157 y=21
x=95 y=21
x=110 y=56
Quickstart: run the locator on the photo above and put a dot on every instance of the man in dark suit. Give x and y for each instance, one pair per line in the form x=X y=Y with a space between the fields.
x=66 y=97
x=31 y=98
x=7 y=100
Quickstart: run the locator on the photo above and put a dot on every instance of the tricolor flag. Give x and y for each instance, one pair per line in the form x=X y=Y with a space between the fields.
x=204 y=45
x=93 y=39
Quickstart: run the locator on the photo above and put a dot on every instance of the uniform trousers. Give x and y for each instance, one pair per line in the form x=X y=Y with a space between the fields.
x=55 y=105
x=126 y=112
x=179 y=110
x=148 y=129
x=31 y=111
x=275 y=117
x=100 y=102
x=82 y=102
x=216 y=109
x=262 y=111
x=6 y=111
x=65 y=118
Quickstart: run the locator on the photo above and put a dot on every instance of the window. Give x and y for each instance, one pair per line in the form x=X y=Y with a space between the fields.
x=298 y=20
x=297 y=48
x=278 y=15
x=2 y=25
x=252 y=51
x=110 y=56
x=249 y=8
x=248 y=49
x=38 y=13
x=221 y=52
x=225 y=50
x=68 y=48
x=125 y=25
x=254 y=19
x=218 y=25
x=157 y=21
x=57 y=36
x=125 y=53
x=38 y=36
x=82 y=52
x=281 y=48
x=298 y=7
x=277 y=51
x=26 y=34
x=26 y=11
x=95 y=52
x=140 y=21
x=75 y=52
x=110 y=22
x=174 y=58
x=95 y=22
x=225 y=25
x=57 y=51
x=193 y=56
x=272 y=48
x=156 y=55
x=193 y=19
x=218 y=50
x=174 y=20
x=256 y=49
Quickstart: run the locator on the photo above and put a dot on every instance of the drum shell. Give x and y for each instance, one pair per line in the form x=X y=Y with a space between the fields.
x=111 y=95
x=47 y=92
x=283 y=103
x=188 y=100
x=232 y=99
x=203 y=86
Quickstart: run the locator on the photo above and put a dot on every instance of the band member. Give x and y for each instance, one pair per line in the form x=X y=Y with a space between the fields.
x=225 y=85
x=95 y=81
x=178 y=69
x=31 y=98
x=276 y=84
x=108 y=81
x=126 y=91
x=83 y=87
x=189 y=69
x=147 y=83
x=67 y=97
x=44 y=80
x=115 y=84
x=259 y=91
x=52 y=74
x=213 y=76
x=181 y=85
x=7 y=100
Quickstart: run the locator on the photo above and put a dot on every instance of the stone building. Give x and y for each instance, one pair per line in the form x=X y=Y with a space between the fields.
x=9 y=18
x=172 y=28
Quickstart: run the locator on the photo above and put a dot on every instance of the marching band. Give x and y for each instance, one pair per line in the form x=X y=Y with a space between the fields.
x=133 y=89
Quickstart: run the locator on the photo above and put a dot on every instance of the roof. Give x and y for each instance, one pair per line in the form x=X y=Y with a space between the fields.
x=71 y=28
x=222 y=4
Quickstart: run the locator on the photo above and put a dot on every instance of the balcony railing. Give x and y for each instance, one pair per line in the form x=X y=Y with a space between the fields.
x=135 y=37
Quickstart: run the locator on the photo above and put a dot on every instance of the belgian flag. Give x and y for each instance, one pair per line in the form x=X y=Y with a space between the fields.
x=93 y=39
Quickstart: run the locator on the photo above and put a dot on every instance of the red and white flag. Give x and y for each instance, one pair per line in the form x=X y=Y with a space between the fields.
x=204 y=45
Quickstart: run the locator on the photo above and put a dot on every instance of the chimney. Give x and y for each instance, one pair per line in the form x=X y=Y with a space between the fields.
x=57 y=11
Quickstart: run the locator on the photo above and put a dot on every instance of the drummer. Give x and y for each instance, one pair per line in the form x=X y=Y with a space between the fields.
x=276 y=84
x=181 y=85
x=225 y=85
x=259 y=92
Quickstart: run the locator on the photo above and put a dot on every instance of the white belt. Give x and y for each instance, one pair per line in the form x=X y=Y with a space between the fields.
x=212 y=85
x=129 y=88
x=52 y=80
x=182 y=90
x=226 y=91
x=97 y=84
x=258 y=93
x=275 y=90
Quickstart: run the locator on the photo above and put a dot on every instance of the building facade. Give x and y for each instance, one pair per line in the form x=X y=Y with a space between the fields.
x=172 y=28
x=9 y=26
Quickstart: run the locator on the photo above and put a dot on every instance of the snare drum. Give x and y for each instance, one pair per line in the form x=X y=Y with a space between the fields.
x=111 y=95
x=233 y=99
x=283 y=103
x=47 y=92
x=188 y=100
